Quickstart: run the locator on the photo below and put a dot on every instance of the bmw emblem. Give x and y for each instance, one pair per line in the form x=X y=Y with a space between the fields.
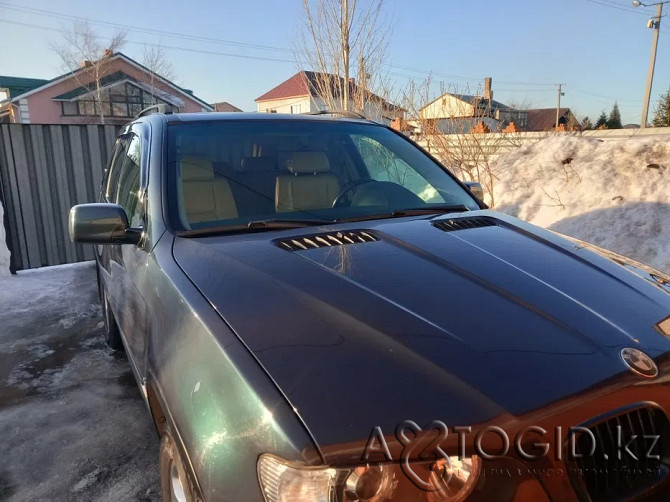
x=639 y=362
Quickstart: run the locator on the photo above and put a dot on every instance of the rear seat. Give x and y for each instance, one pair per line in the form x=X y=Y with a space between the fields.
x=310 y=184
x=254 y=185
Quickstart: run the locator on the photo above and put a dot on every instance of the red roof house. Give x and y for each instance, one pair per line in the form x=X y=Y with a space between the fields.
x=308 y=92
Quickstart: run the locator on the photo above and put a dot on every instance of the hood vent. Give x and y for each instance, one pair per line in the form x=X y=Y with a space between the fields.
x=453 y=224
x=328 y=239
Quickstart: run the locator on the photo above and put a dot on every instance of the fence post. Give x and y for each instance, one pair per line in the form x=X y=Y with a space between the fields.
x=5 y=224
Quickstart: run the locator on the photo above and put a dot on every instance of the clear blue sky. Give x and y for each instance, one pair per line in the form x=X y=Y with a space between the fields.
x=599 y=48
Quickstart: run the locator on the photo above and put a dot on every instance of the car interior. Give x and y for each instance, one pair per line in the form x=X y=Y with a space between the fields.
x=226 y=180
x=231 y=179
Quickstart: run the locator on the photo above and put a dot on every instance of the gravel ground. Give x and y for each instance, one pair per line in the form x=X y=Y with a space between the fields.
x=72 y=421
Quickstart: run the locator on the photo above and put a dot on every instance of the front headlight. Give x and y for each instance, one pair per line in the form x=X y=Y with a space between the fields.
x=282 y=481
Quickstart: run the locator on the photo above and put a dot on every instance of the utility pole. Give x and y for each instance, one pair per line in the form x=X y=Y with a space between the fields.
x=656 y=25
x=362 y=84
x=344 y=27
x=558 y=106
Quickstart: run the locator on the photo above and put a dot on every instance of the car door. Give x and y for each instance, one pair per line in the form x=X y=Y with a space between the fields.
x=127 y=263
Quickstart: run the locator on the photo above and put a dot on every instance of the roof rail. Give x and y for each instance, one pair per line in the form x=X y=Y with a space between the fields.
x=158 y=108
x=343 y=113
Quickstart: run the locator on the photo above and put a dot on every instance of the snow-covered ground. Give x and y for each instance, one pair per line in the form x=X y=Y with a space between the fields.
x=72 y=422
x=615 y=194
x=4 y=252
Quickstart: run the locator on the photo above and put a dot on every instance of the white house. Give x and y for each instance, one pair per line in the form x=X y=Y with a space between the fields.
x=460 y=112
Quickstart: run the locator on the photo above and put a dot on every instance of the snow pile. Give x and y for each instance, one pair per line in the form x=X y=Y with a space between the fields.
x=614 y=194
x=4 y=251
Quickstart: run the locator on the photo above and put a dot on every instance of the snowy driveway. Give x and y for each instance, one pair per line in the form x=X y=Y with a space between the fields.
x=72 y=422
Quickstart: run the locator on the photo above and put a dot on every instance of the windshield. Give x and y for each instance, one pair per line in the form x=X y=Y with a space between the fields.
x=232 y=173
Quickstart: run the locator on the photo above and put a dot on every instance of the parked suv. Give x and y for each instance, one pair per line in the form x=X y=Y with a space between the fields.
x=316 y=310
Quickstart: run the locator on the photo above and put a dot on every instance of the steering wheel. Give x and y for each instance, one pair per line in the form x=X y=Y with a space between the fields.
x=339 y=198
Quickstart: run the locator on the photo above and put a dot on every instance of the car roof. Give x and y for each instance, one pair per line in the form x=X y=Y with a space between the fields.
x=228 y=116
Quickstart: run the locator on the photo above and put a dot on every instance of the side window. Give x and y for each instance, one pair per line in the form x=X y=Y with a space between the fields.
x=128 y=192
x=384 y=165
x=114 y=170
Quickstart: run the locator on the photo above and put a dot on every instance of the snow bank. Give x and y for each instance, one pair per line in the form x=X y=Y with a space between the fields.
x=614 y=194
x=4 y=251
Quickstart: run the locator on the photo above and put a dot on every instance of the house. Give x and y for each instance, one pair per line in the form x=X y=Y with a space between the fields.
x=14 y=86
x=404 y=126
x=544 y=119
x=303 y=93
x=453 y=113
x=122 y=89
x=11 y=87
x=224 y=106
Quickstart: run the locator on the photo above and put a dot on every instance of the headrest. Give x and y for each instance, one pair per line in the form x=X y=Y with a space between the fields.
x=255 y=164
x=195 y=168
x=308 y=162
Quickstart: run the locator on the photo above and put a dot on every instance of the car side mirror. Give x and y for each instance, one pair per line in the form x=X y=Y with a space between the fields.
x=101 y=224
x=475 y=188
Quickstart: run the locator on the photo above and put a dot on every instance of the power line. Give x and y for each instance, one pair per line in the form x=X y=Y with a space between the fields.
x=522 y=90
x=603 y=97
x=627 y=5
x=292 y=61
x=195 y=37
x=616 y=6
x=200 y=51
x=509 y=82
x=435 y=73
x=198 y=38
x=149 y=31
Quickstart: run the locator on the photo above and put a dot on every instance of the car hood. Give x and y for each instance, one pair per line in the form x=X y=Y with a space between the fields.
x=430 y=321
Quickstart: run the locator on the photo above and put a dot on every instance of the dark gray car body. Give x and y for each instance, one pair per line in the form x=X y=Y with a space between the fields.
x=242 y=347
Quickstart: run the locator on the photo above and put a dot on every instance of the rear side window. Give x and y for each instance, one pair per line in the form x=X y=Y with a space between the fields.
x=118 y=156
x=128 y=193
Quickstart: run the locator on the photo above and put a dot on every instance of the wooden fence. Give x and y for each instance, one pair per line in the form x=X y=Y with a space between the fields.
x=44 y=170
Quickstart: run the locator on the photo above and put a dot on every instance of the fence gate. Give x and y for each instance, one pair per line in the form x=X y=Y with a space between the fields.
x=44 y=170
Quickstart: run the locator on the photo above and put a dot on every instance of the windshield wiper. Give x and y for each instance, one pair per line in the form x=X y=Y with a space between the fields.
x=417 y=211
x=287 y=223
x=401 y=213
x=255 y=225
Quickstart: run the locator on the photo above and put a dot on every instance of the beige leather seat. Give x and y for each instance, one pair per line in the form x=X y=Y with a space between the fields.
x=206 y=197
x=309 y=186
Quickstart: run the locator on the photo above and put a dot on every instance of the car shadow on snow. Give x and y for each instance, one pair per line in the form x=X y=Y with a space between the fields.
x=638 y=230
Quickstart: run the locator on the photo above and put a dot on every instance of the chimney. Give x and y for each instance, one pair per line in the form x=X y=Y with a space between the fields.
x=86 y=63
x=488 y=93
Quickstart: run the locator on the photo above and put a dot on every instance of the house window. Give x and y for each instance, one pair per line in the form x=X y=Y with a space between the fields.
x=70 y=108
x=271 y=110
x=123 y=100
x=295 y=108
x=87 y=108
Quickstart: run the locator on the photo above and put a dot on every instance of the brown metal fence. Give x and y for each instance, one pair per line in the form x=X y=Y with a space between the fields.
x=44 y=170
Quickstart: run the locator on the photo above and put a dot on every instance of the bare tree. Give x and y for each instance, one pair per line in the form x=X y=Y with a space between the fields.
x=81 y=52
x=464 y=130
x=520 y=104
x=337 y=35
x=156 y=61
